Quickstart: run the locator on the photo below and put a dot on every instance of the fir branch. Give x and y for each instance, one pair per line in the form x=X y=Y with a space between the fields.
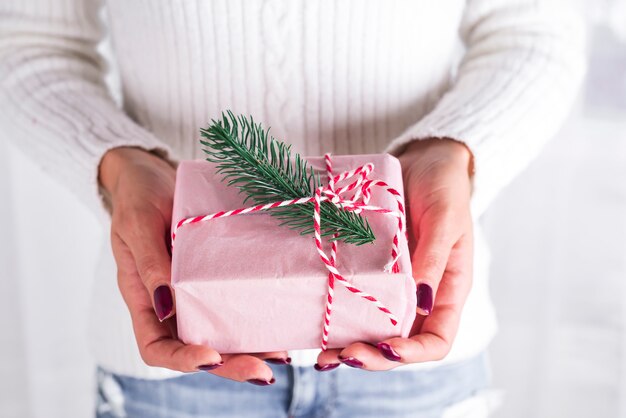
x=262 y=168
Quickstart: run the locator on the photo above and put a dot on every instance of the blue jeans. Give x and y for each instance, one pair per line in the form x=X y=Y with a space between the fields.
x=298 y=392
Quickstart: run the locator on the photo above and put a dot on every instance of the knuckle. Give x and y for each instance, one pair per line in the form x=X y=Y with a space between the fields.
x=443 y=352
x=443 y=349
x=150 y=269
x=447 y=212
x=433 y=261
x=447 y=221
x=147 y=356
x=442 y=207
x=445 y=228
x=122 y=218
x=132 y=221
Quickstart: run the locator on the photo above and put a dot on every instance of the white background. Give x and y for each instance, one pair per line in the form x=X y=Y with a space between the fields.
x=558 y=236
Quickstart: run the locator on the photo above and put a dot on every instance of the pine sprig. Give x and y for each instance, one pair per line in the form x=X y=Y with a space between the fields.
x=262 y=168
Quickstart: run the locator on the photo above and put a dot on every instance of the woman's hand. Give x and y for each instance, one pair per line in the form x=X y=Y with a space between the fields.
x=437 y=188
x=141 y=189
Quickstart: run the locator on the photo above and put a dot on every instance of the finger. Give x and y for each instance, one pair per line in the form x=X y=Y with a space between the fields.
x=384 y=356
x=155 y=341
x=430 y=258
x=365 y=356
x=145 y=237
x=245 y=368
x=327 y=360
x=274 y=357
x=431 y=344
x=158 y=348
x=358 y=355
x=434 y=338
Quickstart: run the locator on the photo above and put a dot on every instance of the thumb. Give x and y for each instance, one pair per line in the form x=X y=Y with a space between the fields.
x=149 y=249
x=429 y=260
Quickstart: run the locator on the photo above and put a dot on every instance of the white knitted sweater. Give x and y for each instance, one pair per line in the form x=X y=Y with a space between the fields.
x=339 y=76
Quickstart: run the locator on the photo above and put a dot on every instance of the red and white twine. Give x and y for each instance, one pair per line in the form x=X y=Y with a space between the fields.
x=361 y=189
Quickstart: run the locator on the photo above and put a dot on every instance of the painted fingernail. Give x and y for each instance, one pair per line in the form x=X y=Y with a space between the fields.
x=261 y=382
x=163 y=302
x=425 y=298
x=208 y=367
x=327 y=367
x=388 y=352
x=351 y=361
x=279 y=360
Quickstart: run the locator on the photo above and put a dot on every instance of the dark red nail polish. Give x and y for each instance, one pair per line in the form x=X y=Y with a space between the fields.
x=207 y=367
x=425 y=298
x=327 y=367
x=261 y=382
x=163 y=302
x=388 y=352
x=351 y=361
x=279 y=360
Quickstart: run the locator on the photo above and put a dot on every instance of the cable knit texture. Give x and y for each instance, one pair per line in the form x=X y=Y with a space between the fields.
x=327 y=76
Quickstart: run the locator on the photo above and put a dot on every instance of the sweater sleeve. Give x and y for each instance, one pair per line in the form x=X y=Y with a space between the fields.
x=523 y=62
x=55 y=104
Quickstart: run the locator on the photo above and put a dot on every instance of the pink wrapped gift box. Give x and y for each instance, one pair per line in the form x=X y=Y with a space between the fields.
x=245 y=284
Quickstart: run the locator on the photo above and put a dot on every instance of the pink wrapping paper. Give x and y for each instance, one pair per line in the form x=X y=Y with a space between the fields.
x=245 y=284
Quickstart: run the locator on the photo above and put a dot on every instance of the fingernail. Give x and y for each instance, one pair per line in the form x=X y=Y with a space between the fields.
x=163 y=302
x=388 y=352
x=279 y=360
x=351 y=361
x=425 y=298
x=207 y=367
x=261 y=382
x=326 y=367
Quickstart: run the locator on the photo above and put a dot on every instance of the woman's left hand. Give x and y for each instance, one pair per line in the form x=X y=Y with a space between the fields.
x=437 y=188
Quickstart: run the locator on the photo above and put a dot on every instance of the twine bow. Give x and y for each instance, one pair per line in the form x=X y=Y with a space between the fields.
x=361 y=190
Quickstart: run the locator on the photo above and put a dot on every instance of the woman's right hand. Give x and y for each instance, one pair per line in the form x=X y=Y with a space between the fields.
x=140 y=186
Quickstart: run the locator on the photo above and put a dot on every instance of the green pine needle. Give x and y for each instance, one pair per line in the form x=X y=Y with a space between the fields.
x=261 y=167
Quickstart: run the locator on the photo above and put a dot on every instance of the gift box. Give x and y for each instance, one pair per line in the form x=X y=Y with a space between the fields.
x=246 y=284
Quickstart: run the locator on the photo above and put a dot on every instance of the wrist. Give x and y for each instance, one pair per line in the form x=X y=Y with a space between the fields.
x=115 y=161
x=447 y=151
